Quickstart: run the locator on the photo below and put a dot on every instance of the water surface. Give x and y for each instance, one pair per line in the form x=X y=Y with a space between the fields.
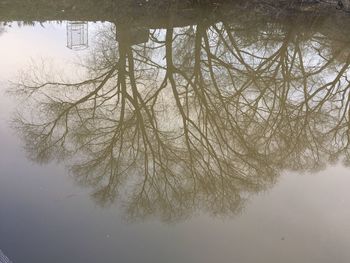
x=223 y=137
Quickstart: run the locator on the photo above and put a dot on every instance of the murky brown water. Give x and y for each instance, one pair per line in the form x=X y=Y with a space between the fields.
x=196 y=136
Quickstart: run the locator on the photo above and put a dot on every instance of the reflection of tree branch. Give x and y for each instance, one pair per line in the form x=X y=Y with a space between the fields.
x=219 y=119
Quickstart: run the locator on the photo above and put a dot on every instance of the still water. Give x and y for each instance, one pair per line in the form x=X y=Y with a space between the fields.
x=196 y=138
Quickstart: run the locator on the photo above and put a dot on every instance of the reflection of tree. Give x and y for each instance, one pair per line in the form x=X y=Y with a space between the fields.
x=215 y=120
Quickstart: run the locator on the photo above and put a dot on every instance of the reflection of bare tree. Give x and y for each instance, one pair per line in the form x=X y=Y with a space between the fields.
x=215 y=120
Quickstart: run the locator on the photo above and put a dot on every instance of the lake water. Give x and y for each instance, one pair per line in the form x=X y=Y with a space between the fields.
x=201 y=136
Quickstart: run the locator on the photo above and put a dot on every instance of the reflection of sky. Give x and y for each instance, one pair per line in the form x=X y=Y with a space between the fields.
x=21 y=47
x=45 y=218
x=19 y=44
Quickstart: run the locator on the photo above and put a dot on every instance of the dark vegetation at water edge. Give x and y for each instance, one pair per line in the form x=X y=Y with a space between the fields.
x=323 y=17
x=111 y=10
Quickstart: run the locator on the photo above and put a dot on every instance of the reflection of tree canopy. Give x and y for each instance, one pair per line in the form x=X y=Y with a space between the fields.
x=197 y=118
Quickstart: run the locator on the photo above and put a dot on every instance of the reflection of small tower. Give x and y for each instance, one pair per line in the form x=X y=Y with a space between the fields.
x=77 y=35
